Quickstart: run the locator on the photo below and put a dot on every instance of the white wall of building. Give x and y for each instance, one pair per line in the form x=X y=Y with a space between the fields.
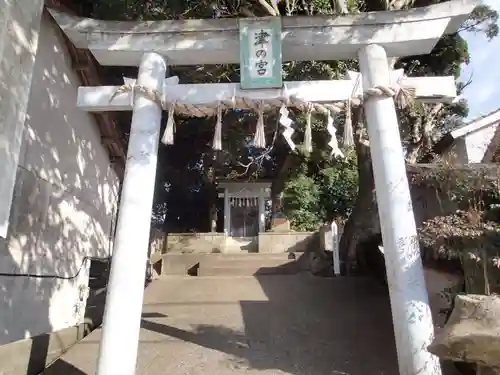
x=63 y=206
x=19 y=31
x=471 y=147
x=477 y=143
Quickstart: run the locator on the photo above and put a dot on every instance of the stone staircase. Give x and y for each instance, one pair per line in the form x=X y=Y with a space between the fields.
x=248 y=265
x=240 y=264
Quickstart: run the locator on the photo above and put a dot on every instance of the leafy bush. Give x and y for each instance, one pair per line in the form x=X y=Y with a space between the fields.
x=302 y=203
x=471 y=234
x=314 y=197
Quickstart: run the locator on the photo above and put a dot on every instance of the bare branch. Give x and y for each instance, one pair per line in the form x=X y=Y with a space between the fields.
x=275 y=7
x=423 y=140
x=471 y=27
x=339 y=6
x=429 y=123
x=469 y=81
x=306 y=8
x=260 y=159
x=268 y=7
x=415 y=130
x=290 y=6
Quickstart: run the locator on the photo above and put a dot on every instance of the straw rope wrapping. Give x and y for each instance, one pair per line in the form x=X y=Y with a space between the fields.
x=168 y=134
x=402 y=96
x=150 y=94
x=210 y=109
x=259 y=139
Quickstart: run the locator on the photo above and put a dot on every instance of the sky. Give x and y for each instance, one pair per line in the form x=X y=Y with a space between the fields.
x=483 y=94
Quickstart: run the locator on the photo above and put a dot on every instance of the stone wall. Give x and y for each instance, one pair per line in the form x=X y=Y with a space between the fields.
x=195 y=243
x=280 y=242
x=429 y=203
x=266 y=242
x=63 y=206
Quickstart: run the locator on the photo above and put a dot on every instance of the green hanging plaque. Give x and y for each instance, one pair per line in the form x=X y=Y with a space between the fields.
x=260 y=53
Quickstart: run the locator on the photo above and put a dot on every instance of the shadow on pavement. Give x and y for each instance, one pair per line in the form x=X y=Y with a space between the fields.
x=62 y=367
x=308 y=326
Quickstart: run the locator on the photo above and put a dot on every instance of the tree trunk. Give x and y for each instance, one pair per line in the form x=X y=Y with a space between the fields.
x=279 y=183
x=363 y=221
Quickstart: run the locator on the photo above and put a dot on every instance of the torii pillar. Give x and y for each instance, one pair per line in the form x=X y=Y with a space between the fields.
x=411 y=315
x=122 y=314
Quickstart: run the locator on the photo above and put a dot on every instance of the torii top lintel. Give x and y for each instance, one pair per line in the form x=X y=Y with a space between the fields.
x=216 y=41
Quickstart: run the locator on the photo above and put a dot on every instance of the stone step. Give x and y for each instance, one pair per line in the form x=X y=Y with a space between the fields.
x=286 y=269
x=245 y=262
x=229 y=257
x=248 y=265
x=182 y=264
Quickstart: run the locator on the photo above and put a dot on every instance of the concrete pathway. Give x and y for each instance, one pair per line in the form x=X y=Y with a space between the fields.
x=296 y=325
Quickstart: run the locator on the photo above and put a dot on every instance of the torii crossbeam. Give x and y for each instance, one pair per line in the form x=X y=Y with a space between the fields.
x=97 y=99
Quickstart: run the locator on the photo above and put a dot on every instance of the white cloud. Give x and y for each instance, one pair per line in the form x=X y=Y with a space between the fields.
x=484 y=67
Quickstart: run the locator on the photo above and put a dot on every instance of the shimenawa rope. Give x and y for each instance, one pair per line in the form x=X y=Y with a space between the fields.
x=403 y=97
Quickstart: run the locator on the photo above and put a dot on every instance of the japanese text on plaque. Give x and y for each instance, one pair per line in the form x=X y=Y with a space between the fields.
x=262 y=54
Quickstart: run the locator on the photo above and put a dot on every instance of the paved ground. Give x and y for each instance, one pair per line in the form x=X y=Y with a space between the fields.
x=296 y=325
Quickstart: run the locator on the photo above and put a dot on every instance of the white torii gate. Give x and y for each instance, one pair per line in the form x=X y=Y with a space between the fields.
x=370 y=37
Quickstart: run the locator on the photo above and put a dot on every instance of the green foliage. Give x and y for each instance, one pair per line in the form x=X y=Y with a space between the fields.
x=474 y=185
x=148 y=10
x=302 y=203
x=313 y=197
x=339 y=188
x=483 y=20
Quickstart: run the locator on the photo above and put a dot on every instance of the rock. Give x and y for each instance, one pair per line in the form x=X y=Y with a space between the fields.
x=280 y=223
x=472 y=333
x=321 y=263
